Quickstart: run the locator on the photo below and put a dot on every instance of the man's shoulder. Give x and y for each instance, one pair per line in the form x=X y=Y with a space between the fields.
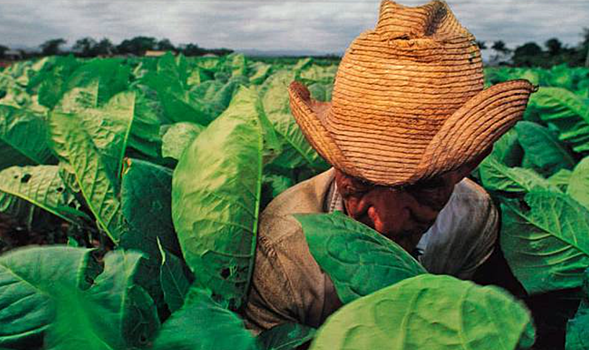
x=469 y=191
x=276 y=222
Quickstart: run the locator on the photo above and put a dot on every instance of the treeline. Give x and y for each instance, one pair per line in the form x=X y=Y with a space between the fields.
x=552 y=52
x=531 y=54
x=89 y=47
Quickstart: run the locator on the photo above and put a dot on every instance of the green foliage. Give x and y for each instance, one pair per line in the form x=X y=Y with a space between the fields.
x=566 y=111
x=147 y=211
x=561 y=179
x=358 y=259
x=174 y=158
x=576 y=336
x=178 y=137
x=173 y=279
x=23 y=137
x=215 y=199
x=296 y=150
x=90 y=142
x=578 y=184
x=429 y=312
x=544 y=241
x=114 y=313
x=542 y=149
x=287 y=336
x=203 y=324
x=29 y=281
x=497 y=177
x=24 y=191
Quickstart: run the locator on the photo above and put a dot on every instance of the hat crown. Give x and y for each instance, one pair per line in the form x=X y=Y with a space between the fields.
x=401 y=81
x=435 y=18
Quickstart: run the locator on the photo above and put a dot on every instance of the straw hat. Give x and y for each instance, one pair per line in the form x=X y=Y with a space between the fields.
x=408 y=101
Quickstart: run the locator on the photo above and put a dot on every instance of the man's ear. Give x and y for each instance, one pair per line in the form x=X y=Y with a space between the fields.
x=350 y=186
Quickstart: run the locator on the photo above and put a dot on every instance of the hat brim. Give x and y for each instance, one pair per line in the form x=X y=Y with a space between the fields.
x=464 y=136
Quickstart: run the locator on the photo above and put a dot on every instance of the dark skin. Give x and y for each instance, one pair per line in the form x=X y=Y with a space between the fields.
x=402 y=214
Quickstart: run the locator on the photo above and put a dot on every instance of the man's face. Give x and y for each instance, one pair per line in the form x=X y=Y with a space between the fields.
x=402 y=214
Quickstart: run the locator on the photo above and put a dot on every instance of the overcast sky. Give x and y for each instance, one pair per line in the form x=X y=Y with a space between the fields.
x=325 y=26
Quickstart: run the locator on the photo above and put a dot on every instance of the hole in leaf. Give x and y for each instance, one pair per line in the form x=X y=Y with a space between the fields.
x=225 y=273
x=25 y=178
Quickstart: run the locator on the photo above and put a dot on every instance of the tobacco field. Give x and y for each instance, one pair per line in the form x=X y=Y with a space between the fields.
x=130 y=192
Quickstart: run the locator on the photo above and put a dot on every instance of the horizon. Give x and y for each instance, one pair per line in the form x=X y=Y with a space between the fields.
x=262 y=25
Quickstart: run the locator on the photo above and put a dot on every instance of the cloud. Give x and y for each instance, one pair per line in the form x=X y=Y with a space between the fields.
x=323 y=26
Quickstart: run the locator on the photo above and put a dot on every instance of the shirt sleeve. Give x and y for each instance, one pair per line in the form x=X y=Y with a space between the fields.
x=464 y=234
x=287 y=283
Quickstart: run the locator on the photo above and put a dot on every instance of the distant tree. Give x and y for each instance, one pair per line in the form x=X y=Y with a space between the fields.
x=481 y=44
x=528 y=54
x=554 y=46
x=585 y=45
x=105 y=47
x=85 y=47
x=501 y=52
x=500 y=47
x=192 y=50
x=51 y=47
x=219 y=52
x=165 y=45
x=137 y=46
x=3 y=50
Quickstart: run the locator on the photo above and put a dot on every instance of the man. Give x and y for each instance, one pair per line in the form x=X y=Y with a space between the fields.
x=409 y=119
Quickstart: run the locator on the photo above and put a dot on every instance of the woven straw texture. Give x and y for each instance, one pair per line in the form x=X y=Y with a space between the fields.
x=408 y=101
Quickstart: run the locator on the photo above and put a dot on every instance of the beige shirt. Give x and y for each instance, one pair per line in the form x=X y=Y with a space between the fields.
x=288 y=284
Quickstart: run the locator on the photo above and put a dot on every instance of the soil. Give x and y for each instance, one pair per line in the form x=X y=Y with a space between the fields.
x=14 y=235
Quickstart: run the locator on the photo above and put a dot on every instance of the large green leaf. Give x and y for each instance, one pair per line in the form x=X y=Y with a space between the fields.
x=51 y=80
x=578 y=327
x=314 y=73
x=497 y=177
x=296 y=150
x=29 y=280
x=178 y=137
x=173 y=68
x=178 y=103
x=561 y=179
x=358 y=259
x=321 y=92
x=108 y=76
x=287 y=336
x=114 y=313
x=544 y=240
x=542 y=149
x=149 y=116
x=146 y=206
x=259 y=72
x=578 y=185
x=507 y=149
x=216 y=196
x=237 y=63
x=90 y=143
x=429 y=312
x=24 y=190
x=173 y=279
x=23 y=137
x=565 y=110
x=203 y=324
